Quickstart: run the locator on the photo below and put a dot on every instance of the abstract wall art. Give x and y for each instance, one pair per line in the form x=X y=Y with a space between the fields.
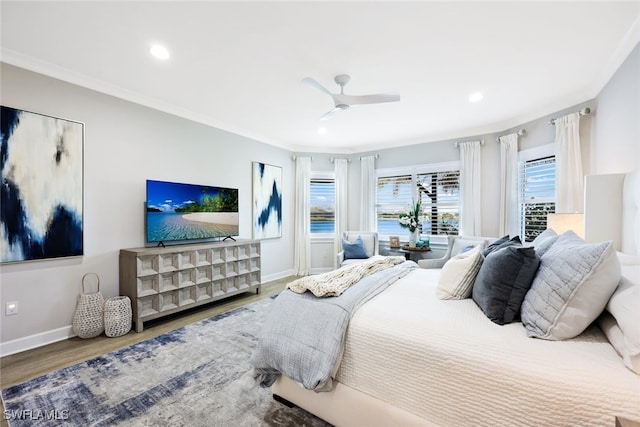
x=267 y=201
x=41 y=205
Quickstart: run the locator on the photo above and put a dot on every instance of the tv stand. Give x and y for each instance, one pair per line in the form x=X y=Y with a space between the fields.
x=161 y=245
x=165 y=280
x=227 y=238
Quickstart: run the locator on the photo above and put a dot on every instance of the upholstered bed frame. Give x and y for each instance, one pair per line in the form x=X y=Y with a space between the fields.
x=612 y=212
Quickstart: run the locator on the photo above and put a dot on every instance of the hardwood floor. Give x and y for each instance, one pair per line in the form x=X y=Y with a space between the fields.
x=21 y=367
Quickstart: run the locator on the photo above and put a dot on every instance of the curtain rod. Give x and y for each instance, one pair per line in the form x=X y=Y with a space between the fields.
x=331 y=159
x=457 y=144
x=294 y=157
x=375 y=156
x=585 y=111
x=521 y=132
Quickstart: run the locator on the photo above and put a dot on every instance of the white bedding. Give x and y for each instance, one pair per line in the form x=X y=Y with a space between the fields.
x=448 y=363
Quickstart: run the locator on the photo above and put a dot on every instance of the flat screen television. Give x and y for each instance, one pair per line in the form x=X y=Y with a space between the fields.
x=178 y=212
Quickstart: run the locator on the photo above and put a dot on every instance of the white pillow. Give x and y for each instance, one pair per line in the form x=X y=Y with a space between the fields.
x=624 y=306
x=572 y=287
x=459 y=273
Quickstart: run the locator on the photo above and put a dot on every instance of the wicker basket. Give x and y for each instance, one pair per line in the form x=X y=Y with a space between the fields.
x=117 y=316
x=88 y=321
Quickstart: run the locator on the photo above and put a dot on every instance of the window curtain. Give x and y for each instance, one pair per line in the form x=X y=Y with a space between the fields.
x=569 y=176
x=509 y=209
x=341 y=168
x=302 y=212
x=470 y=215
x=367 y=193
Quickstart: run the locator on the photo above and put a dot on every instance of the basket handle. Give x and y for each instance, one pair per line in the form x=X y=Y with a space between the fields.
x=85 y=276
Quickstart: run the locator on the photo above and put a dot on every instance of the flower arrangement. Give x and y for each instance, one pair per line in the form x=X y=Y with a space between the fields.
x=412 y=218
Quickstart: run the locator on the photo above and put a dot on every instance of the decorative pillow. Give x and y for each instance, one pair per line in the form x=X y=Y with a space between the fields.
x=459 y=273
x=503 y=242
x=494 y=245
x=574 y=282
x=624 y=306
x=502 y=282
x=544 y=241
x=355 y=249
x=461 y=243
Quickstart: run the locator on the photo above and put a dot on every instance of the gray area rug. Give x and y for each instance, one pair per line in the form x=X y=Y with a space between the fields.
x=198 y=375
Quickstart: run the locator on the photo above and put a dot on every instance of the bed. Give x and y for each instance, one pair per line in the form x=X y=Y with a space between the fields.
x=413 y=359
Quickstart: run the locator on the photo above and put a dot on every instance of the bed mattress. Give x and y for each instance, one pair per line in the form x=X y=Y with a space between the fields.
x=446 y=362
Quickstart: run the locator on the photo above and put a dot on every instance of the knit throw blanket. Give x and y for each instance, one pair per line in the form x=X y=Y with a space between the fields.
x=334 y=283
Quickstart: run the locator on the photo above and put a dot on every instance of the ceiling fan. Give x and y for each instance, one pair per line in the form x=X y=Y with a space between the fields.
x=344 y=102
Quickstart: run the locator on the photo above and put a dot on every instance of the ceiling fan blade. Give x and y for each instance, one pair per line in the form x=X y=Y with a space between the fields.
x=310 y=82
x=329 y=114
x=368 y=99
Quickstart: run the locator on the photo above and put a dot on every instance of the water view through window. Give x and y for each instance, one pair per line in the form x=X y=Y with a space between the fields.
x=323 y=203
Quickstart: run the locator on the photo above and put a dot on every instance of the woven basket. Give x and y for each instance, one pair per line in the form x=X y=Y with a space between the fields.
x=117 y=316
x=88 y=321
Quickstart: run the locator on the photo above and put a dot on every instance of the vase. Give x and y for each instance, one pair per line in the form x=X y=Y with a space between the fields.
x=413 y=238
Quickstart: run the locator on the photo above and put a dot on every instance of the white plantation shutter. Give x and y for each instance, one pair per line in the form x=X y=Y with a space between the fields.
x=440 y=198
x=537 y=195
x=438 y=192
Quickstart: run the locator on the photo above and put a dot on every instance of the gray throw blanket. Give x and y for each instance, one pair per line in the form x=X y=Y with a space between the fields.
x=303 y=335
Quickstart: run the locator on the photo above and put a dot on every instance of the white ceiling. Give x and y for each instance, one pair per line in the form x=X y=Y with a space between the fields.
x=239 y=65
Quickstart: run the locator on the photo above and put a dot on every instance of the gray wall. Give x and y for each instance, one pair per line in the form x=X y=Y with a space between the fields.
x=126 y=143
x=616 y=131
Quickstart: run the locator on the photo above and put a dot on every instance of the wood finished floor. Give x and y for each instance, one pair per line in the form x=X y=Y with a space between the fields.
x=30 y=364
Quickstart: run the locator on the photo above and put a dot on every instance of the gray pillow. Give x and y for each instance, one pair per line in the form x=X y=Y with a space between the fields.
x=502 y=242
x=573 y=284
x=544 y=241
x=502 y=282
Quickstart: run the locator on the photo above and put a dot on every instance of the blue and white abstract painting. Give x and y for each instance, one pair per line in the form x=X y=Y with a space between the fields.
x=41 y=161
x=267 y=201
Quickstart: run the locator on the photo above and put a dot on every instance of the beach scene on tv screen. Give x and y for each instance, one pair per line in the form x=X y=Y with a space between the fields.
x=185 y=211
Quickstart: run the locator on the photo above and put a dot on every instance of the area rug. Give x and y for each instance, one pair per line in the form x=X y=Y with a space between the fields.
x=198 y=375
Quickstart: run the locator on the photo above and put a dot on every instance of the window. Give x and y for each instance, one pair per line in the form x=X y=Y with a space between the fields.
x=537 y=195
x=323 y=203
x=440 y=198
x=436 y=187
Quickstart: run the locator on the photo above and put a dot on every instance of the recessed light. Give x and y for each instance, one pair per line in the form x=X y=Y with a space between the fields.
x=322 y=131
x=475 y=97
x=159 y=51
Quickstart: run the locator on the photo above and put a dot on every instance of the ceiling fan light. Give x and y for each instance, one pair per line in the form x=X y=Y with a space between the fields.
x=322 y=131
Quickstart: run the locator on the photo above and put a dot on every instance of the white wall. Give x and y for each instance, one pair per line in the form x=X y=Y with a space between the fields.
x=125 y=144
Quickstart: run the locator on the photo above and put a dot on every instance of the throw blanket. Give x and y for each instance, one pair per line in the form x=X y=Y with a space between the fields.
x=335 y=282
x=303 y=335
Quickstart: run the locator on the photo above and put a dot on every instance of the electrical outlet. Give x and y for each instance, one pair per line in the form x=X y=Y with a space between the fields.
x=11 y=308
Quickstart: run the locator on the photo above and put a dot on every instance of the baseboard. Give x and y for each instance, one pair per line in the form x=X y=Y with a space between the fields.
x=49 y=337
x=276 y=276
x=321 y=270
x=37 y=340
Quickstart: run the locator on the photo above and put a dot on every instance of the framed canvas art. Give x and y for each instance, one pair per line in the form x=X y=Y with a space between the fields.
x=41 y=215
x=267 y=201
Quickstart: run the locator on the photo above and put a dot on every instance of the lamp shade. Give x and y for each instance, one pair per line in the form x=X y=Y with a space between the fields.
x=561 y=222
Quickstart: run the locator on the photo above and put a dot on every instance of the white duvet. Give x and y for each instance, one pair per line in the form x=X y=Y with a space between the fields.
x=446 y=362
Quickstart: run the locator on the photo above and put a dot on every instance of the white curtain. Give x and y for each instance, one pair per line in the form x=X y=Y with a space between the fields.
x=367 y=193
x=569 y=176
x=341 y=167
x=301 y=232
x=509 y=209
x=470 y=215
